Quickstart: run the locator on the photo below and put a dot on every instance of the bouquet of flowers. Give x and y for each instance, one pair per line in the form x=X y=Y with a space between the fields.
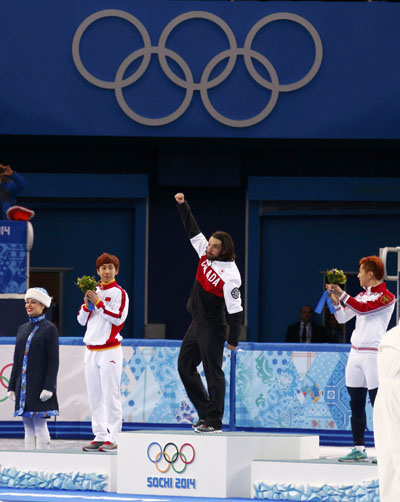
x=336 y=276
x=87 y=283
x=333 y=276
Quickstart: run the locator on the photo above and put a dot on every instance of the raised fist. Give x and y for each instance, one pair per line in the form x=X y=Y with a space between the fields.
x=180 y=198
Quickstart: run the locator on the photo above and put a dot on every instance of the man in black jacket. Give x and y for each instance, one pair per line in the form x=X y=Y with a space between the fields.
x=305 y=331
x=215 y=289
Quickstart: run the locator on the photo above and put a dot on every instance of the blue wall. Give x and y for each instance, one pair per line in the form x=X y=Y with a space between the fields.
x=300 y=238
x=296 y=248
x=78 y=217
x=333 y=68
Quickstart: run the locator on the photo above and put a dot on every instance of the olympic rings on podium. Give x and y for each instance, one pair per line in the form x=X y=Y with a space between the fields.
x=170 y=460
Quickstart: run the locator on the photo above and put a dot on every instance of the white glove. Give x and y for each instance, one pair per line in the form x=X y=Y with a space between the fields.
x=45 y=395
x=11 y=395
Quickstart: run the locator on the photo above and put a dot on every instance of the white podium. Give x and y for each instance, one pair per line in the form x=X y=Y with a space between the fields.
x=201 y=465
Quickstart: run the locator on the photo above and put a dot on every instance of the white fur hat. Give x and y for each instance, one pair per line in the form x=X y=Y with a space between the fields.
x=39 y=294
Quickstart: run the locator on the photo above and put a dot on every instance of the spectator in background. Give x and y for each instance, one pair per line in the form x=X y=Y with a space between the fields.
x=305 y=331
x=334 y=331
x=11 y=183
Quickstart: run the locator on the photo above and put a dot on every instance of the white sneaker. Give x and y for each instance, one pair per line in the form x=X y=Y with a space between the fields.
x=30 y=443
x=42 y=444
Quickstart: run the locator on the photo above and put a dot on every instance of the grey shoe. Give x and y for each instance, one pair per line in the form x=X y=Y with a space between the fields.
x=107 y=446
x=209 y=429
x=93 y=446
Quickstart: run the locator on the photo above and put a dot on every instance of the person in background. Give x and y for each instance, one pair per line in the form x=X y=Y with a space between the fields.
x=103 y=355
x=33 y=379
x=373 y=309
x=305 y=331
x=11 y=183
x=334 y=331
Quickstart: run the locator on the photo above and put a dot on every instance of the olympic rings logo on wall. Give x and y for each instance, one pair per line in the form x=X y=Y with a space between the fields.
x=188 y=83
x=170 y=458
x=4 y=381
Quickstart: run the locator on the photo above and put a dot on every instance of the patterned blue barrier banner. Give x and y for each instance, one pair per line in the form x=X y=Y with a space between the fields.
x=13 y=257
x=293 y=387
x=152 y=390
x=274 y=386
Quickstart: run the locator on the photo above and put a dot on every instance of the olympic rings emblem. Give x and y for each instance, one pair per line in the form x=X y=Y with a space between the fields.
x=4 y=379
x=205 y=82
x=170 y=460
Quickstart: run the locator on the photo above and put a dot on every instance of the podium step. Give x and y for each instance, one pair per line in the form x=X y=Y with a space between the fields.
x=201 y=465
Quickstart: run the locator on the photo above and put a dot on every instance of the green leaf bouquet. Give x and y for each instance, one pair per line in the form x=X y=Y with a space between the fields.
x=336 y=276
x=87 y=283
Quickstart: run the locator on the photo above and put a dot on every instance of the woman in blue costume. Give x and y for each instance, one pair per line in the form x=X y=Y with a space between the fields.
x=34 y=373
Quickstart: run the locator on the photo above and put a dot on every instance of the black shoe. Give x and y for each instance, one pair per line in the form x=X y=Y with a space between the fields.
x=209 y=429
x=200 y=421
x=93 y=446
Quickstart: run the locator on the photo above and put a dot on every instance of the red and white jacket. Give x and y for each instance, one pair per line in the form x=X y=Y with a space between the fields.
x=220 y=278
x=216 y=286
x=106 y=321
x=373 y=308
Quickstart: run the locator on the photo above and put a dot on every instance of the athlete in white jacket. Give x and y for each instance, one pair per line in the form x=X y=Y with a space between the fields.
x=373 y=309
x=103 y=357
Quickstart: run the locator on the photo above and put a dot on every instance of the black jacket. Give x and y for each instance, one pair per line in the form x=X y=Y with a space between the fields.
x=318 y=334
x=42 y=368
x=209 y=305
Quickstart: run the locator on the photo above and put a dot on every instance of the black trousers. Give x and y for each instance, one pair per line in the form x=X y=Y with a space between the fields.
x=204 y=344
x=358 y=399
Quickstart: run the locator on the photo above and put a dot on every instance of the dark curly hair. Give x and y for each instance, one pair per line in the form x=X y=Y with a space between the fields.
x=228 y=248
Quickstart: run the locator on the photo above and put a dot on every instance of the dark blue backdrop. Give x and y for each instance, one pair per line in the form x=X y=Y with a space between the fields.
x=300 y=227
x=353 y=95
x=296 y=248
x=78 y=217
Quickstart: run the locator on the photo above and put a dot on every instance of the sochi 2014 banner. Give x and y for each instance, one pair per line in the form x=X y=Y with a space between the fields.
x=209 y=69
x=13 y=257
